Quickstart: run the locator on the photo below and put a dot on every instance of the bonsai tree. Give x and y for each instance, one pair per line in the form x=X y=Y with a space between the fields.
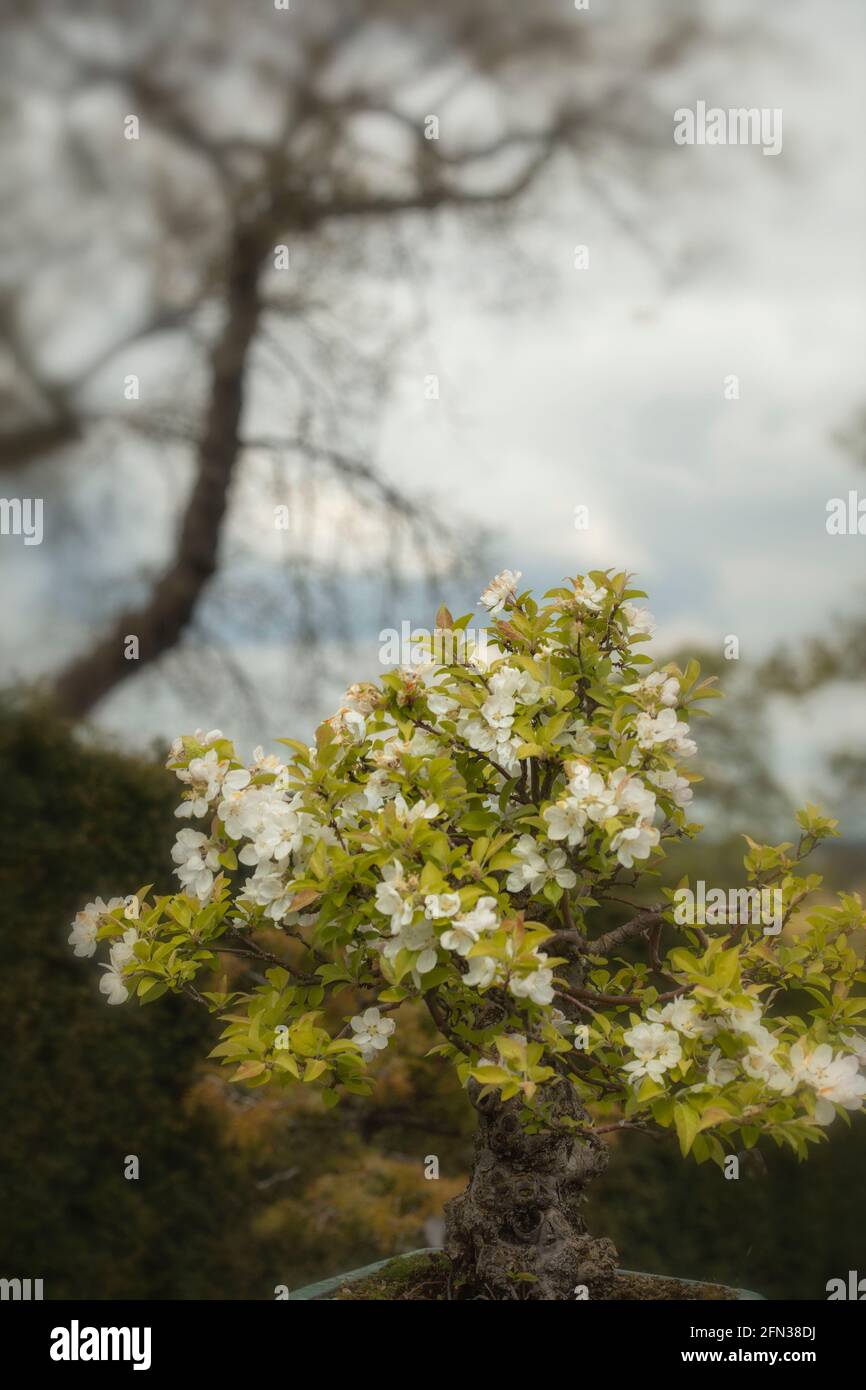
x=466 y=835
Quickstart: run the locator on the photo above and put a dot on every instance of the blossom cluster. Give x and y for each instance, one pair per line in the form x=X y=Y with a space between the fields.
x=453 y=836
x=758 y=1053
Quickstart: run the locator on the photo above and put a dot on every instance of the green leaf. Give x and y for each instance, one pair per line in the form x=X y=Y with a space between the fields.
x=687 y=1124
x=247 y=1070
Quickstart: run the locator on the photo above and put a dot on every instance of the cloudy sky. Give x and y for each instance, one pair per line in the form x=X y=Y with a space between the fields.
x=604 y=387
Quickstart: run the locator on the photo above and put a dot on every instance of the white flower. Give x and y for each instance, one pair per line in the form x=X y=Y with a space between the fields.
x=720 y=1070
x=659 y=687
x=269 y=890
x=749 y=1021
x=639 y=619
x=469 y=926
x=589 y=595
x=636 y=842
x=197 y=860
x=759 y=1061
x=657 y=1049
x=121 y=953
x=631 y=795
x=407 y=815
x=535 y=870
x=442 y=904
x=363 y=697
x=440 y=704
x=87 y=923
x=498 y=710
x=387 y=757
x=835 y=1080
x=501 y=591
x=266 y=762
x=565 y=821
x=378 y=789
x=477 y=732
x=371 y=1032
x=391 y=896
x=857 y=1044
x=674 y=786
x=664 y=728
x=461 y=937
x=414 y=936
x=510 y=683
x=348 y=724
x=537 y=986
x=112 y=985
x=578 y=736
x=590 y=790
x=683 y=1015
x=482 y=972
x=421 y=745
x=207 y=776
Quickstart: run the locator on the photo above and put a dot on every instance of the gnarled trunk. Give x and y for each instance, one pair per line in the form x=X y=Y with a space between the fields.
x=520 y=1214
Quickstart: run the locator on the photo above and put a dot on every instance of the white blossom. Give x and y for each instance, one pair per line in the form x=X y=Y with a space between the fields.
x=657 y=1049
x=372 y=1031
x=501 y=592
x=684 y=1016
x=836 y=1080
x=86 y=924
x=537 y=986
x=589 y=595
x=676 y=787
x=536 y=869
x=466 y=928
x=442 y=904
x=198 y=862
x=640 y=620
x=635 y=842
x=655 y=730
x=483 y=971
x=414 y=936
x=392 y=896
x=720 y=1070
x=566 y=820
x=120 y=953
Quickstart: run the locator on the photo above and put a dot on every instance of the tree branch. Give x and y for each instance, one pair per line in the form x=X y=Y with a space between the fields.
x=161 y=619
x=638 y=926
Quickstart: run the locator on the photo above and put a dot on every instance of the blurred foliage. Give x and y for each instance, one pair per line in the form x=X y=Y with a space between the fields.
x=91 y=1084
x=239 y=1191
x=739 y=789
x=782 y=1228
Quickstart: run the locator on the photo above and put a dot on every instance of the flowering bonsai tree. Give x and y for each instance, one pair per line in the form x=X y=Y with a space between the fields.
x=451 y=841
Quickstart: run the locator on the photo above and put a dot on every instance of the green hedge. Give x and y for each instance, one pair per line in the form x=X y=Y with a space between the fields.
x=782 y=1228
x=85 y=1084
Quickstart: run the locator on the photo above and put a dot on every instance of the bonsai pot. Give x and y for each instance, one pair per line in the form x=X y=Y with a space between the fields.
x=422 y=1275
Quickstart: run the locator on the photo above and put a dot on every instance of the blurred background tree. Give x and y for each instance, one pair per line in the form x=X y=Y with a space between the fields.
x=218 y=237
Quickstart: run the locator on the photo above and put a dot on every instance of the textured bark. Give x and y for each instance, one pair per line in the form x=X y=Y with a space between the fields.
x=159 y=622
x=520 y=1213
